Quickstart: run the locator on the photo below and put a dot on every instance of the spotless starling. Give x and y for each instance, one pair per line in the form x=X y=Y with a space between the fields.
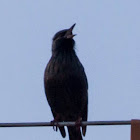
x=66 y=86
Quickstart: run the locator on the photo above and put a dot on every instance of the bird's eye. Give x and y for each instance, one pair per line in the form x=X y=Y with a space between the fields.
x=60 y=34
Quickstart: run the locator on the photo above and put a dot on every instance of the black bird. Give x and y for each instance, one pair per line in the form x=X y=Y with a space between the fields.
x=66 y=84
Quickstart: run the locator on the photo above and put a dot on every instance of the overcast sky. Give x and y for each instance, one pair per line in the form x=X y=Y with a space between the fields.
x=107 y=43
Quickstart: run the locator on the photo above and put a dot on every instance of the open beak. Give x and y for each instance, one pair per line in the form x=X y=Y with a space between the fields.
x=69 y=32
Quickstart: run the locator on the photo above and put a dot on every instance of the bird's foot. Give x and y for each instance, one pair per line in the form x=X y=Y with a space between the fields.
x=55 y=123
x=78 y=123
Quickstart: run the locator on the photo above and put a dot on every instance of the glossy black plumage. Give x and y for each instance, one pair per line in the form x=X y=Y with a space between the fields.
x=66 y=84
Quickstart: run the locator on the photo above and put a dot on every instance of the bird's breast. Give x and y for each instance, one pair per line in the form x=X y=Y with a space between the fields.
x=63 y=63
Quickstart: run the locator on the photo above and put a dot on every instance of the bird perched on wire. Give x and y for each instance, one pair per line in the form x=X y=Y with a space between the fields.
x=66 y=84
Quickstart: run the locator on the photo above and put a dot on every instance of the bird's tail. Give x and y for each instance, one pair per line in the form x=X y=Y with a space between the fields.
x=74 y=133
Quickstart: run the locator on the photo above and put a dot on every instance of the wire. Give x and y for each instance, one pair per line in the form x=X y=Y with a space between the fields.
x=40 y=124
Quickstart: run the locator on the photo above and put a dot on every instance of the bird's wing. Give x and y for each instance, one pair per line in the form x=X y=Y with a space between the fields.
x=85 y=110
x=62 y=129
x=84 y=117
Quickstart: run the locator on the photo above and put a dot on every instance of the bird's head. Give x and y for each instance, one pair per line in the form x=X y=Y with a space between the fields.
x=63 y=40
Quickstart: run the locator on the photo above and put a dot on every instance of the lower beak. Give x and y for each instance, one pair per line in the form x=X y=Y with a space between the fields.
x=71 y=36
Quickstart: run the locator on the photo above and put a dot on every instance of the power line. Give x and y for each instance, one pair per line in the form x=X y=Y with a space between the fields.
x=40 y=124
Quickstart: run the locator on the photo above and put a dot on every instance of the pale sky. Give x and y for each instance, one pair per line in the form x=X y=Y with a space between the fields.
x=107 y=43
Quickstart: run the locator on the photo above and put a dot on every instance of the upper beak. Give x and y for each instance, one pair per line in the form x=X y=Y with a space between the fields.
x=71 y=28
x=69 y=32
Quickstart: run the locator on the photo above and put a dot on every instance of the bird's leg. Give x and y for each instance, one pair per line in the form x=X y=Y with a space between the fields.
x=55 y=127
x=78 y=123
